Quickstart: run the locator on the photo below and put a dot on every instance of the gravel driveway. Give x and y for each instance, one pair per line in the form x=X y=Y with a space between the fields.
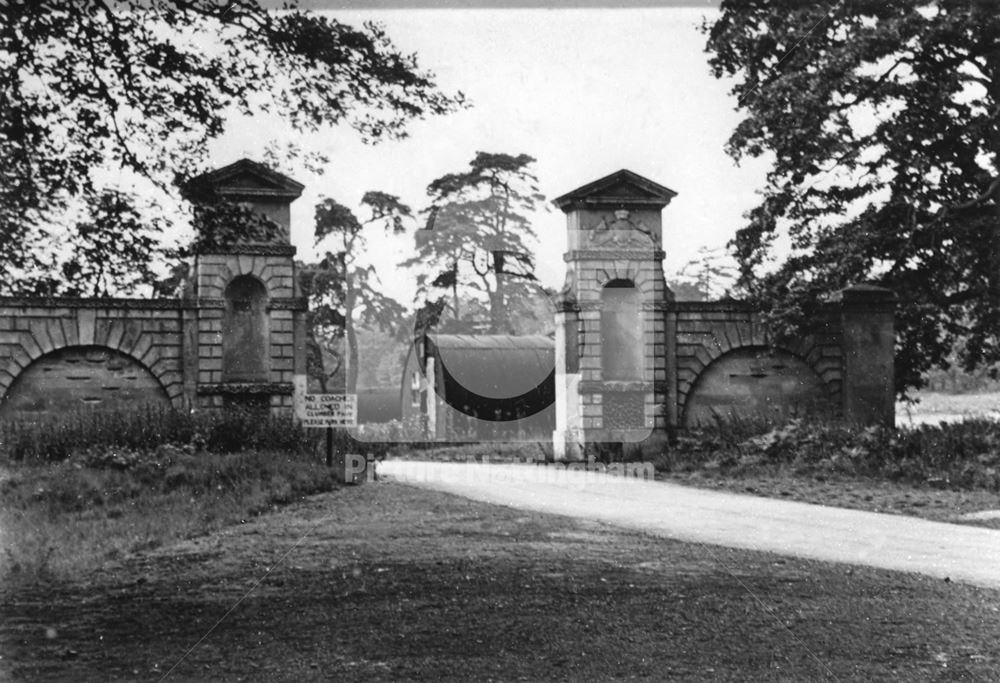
x=957 y=552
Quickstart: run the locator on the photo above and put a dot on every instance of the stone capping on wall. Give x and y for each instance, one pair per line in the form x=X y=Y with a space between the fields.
x=868 y=296
x=276 y=303
x=726 y=306
x=614 y=255
x=856 y=295
x=252 y=249
x=646 y=305
x=95 y=302
x=244 y=388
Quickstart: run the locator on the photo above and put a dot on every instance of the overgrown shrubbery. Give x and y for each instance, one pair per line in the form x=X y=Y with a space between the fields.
x=959 y=454
x=496 y=452
x=408 y=437
x=123 y=435
x=114 y=476
x=216 y=431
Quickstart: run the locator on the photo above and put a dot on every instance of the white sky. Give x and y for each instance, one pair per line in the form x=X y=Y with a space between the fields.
x=584 y=91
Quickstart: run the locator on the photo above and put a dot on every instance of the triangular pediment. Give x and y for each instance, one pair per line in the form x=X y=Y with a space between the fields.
x=244 y=179
x=622 y=188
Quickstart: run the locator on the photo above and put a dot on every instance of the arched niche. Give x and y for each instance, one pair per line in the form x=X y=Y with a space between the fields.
x=245 y=328
x=76 y=378
x=756 y=382
x=621 y=332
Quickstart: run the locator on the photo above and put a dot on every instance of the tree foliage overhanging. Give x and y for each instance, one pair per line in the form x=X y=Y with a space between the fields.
x=91 y=88
x=883 y=121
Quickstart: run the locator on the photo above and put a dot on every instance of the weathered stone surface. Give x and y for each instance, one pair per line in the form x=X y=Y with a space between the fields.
x=81 y=378
x=756 y=382
x=868 y=338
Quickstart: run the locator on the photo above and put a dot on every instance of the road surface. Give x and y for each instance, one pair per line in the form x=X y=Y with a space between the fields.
x=960 y=553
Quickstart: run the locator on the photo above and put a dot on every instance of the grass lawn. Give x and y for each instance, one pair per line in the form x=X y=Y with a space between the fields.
x=385 y=581
x=933 y=407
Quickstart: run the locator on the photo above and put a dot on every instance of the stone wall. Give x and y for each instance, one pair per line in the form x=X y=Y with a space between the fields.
x=178 y=342
x=75 y=377
x=801 y=377
x=149 y=332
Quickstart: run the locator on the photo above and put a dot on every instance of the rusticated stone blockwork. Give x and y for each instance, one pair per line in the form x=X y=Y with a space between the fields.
x=271 y=265
x=58 y=347
x=237 y=336
x=727 y=366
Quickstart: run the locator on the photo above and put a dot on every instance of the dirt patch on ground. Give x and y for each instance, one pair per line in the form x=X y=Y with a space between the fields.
x=386 y=581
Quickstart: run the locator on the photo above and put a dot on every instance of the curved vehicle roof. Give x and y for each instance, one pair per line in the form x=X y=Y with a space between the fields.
x=494 y=365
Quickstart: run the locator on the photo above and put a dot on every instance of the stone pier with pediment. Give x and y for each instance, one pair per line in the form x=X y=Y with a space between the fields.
x=632 y=362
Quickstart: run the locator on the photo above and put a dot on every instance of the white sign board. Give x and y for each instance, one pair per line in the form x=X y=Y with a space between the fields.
x=329 y=410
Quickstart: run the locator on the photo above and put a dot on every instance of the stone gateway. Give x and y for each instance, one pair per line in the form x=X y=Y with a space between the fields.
x=627 y=360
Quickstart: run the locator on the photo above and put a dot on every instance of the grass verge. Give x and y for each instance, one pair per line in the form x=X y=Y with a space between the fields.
x=960 y=455
x=72 y=516
x=935 y=471
x=147 y=428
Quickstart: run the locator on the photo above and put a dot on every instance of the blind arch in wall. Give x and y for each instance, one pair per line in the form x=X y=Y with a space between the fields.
x=756 y=382
x=245 y=328
x=621 y=332
x=75 y=378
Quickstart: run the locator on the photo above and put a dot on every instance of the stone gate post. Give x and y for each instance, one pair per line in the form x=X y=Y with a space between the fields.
x=867 y=320
x=567 y=438
x=249 y=313
x=610 y=329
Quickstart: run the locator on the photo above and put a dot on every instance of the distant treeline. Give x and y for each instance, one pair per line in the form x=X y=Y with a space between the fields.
x=958 y=381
